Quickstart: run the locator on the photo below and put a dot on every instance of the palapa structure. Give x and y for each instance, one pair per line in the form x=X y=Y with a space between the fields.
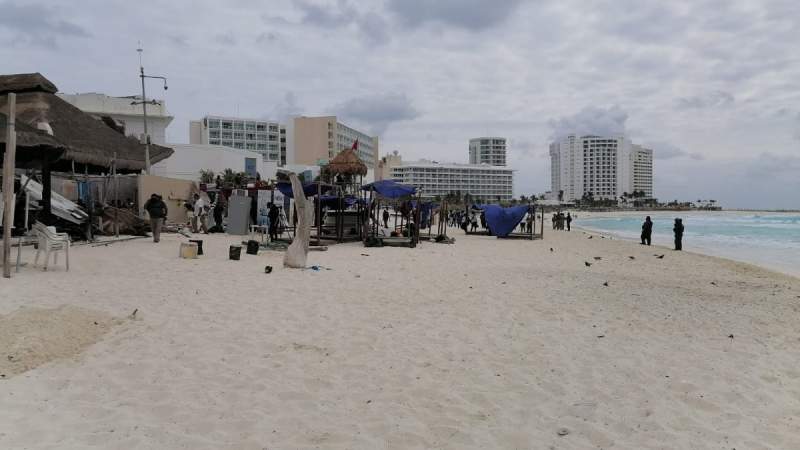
x=346 y=172
x=346 y=162
x=88 y=142
x=70 y=139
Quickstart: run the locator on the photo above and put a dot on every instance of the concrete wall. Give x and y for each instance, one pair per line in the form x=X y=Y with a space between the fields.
x=175 y=193
x=310 y=139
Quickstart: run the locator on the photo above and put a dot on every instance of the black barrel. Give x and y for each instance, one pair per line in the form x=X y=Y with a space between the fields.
x=235 y=252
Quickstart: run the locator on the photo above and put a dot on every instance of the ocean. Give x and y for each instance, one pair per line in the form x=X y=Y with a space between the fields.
x=770 y=240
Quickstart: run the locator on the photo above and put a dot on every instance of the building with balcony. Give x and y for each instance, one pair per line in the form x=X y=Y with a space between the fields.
x=600 y=166
x=267 y=138
x=484 y=183
x=488 y=150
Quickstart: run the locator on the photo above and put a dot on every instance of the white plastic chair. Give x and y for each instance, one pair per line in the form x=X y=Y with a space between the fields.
x=50 y=241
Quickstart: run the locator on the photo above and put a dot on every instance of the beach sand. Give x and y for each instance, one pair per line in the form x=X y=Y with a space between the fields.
x=486 y=343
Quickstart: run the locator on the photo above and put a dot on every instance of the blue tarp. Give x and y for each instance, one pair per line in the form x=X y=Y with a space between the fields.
x=391 y=189
x=502 y=221
x=310 y=189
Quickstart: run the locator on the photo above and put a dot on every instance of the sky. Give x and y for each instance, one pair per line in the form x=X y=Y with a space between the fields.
x=712 y=86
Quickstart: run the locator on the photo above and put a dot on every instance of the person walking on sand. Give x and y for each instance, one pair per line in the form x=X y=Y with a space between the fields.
x=157 y=210
x=678 y=229
x=569 y=222
x=273 y=215
x=386 y=218
x=647 y=231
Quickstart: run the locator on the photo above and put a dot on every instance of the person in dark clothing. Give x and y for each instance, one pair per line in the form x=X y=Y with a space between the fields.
x=386 y=218
x=219 y=210
x=569 y=221
x=678 y=229
x=157 y=210
x=273 y=216
x=647 y=231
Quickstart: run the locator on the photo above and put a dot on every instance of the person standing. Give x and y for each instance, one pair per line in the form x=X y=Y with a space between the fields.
x=678 y=229
x=273 y=216
x=385 y=217
x=157 y=210
x=200 y=215
x=569 y=222
x=647 y=231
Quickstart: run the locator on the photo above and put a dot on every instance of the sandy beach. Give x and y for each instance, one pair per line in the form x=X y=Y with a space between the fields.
x=486 y=343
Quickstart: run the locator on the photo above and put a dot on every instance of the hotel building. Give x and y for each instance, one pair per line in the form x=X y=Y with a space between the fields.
x=315 y=140
x=483 y=182
x=264 y=137
x=606 y=167
x=487 y=150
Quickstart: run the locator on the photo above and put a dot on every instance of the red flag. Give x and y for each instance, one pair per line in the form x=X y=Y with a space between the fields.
x=355 y=145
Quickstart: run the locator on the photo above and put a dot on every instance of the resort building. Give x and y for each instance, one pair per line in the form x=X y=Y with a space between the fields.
x=188 y=160
x=315 y=140
x=488 y=150
x=603 y=167
x=126 y=114
x=483 y=182
x=267 y=138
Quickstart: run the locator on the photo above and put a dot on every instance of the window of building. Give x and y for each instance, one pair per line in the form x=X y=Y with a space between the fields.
x=238 y=135
x=214 y=142
x=227 y=143
x=261 y=127
x=238 y=145
x=227 y=125
x=261 y=146
x=214 y=134
x=226 y=135
x=273 y=128
x=251 y=136
x=213 y=123
x=238 y=125
x=250 y=126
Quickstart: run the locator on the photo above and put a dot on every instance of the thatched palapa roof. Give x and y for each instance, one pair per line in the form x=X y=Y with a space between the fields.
x=87 y=140
x=347 y=162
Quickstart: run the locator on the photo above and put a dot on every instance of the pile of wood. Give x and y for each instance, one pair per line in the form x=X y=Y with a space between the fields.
x=129 y=223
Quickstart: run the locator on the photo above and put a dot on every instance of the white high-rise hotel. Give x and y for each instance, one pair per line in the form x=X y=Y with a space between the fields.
x=606 y=167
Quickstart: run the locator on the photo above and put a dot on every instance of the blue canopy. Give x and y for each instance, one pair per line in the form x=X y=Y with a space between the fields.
x=502 y=221
x=310 y=189
x=391 y=189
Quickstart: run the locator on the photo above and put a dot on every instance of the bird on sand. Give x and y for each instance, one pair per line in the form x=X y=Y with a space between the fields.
x=631 y=257
x=605 y=284
x=551 y=249
x=588 y=264
x=660 y=256
x=598 y=258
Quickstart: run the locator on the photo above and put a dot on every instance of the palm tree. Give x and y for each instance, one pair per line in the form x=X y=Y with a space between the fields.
x=207 y=176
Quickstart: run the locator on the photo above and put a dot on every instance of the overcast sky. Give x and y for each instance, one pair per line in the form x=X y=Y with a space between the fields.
x=711 y=85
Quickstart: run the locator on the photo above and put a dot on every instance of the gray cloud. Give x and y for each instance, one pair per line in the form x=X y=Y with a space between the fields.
x=714 y=99
x=38 y=24
x=227 y=38
x=591 y=120
x=468 y=14
x=665 y=150
x=372 y=27
x=378 y=112
x=287 y=108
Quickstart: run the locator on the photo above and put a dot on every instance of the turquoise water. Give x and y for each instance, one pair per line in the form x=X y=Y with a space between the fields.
x=770 y=240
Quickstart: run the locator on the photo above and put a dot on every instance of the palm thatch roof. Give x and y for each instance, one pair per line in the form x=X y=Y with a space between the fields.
x=347 y=162
x=88 y=141
x=26 y=82
x=32 y=144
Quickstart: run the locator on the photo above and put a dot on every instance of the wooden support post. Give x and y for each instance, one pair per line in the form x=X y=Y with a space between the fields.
x=47 y=191
x=116 y=198
x=9 y=162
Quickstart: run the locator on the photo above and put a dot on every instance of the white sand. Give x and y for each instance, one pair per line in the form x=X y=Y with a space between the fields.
x=481 y=344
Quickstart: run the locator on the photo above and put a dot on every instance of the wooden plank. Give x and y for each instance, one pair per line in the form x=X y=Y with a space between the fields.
x=9 y=163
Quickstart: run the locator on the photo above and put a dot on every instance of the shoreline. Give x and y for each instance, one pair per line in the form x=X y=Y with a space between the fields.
x=695 y=251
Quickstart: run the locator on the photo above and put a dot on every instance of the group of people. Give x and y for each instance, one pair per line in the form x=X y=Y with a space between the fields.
x=560 y=220
x=677 y=230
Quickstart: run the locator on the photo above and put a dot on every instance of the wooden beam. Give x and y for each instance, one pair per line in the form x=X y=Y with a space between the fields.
x=9 y=162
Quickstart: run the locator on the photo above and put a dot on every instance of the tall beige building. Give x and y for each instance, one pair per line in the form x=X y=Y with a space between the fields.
x=312 y=140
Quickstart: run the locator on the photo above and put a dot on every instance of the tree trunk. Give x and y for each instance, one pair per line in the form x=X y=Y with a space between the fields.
x=297 y=253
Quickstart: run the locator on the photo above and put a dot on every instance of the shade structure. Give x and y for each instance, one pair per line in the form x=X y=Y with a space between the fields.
x=391 y=189
x=502 y=221
x=309 y=189
x=346 y=162
x=87 y=141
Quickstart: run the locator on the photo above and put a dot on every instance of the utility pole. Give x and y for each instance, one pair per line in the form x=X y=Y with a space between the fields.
x=144 y=109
